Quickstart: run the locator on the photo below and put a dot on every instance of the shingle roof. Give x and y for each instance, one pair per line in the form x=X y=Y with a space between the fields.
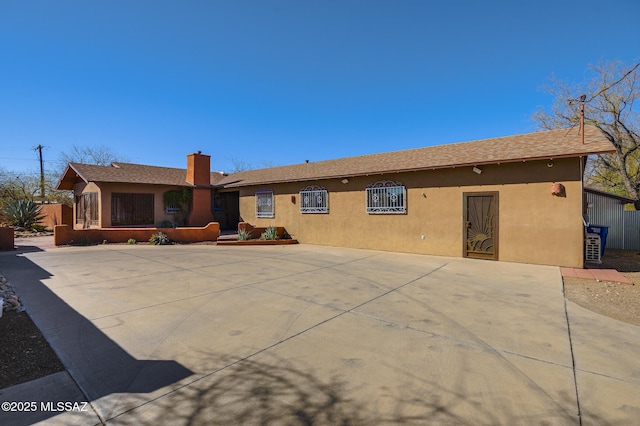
x=127 y=173
x=531 y=146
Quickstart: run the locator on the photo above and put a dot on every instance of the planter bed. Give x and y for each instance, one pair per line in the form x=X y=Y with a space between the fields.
x=255 y=242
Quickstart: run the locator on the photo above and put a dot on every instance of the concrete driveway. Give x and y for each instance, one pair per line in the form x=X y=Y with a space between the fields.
x=199 y=334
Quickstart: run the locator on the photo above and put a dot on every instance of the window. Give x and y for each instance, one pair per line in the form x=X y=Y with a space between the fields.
x=87 y=209
x=264 y=204
x=131 y=209
x=171 y=209
x=314 y=199
x=386 y=197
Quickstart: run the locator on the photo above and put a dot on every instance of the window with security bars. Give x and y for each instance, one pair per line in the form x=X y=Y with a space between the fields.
x=264 y=204
x=314 y=199
x=87 y=209
x=131 y=209
x=386 y=197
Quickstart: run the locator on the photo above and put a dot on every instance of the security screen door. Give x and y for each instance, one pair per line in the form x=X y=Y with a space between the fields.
x=480 y=225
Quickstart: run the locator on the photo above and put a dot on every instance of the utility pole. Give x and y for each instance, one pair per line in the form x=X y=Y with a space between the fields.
x=39 y=149
x=582 y=99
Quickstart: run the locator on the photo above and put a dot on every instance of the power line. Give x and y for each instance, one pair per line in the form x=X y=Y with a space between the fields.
x=616 y=82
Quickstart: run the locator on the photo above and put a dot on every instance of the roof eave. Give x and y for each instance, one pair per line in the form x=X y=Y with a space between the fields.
x=415 y=169
x=64 y=184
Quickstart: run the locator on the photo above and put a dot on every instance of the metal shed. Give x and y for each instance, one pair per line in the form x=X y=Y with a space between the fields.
x=608 y=210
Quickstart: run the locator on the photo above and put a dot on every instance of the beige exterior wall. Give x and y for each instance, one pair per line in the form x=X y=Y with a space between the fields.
x=105 y=190
x=534 y=226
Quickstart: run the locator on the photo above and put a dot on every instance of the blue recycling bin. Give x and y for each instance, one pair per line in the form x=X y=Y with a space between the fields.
x=602 y=231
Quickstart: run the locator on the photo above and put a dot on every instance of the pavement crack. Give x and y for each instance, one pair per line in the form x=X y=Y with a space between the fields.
x=573 y=359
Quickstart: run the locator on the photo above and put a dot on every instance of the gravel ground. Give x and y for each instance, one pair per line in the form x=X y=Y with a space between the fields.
x=619 y=301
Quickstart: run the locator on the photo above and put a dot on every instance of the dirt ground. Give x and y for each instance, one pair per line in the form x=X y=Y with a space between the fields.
x=619 y=301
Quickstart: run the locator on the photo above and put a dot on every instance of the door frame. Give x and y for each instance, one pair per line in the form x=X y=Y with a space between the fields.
x=465 y=198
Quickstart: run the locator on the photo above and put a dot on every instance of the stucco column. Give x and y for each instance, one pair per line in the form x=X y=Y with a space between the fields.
x=201 y=208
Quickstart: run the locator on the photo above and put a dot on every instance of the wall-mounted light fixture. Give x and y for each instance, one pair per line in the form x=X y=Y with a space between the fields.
x=345 y=181
x=293 y=199
x=477 y=170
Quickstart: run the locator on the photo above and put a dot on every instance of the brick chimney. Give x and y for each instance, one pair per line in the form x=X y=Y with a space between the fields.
x=199 y=175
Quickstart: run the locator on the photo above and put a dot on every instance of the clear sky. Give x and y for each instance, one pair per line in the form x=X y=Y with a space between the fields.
x=284 y=81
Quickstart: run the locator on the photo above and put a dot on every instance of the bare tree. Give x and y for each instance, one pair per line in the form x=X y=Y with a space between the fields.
x=240 y=165
x=611 y=91
x=102 y=155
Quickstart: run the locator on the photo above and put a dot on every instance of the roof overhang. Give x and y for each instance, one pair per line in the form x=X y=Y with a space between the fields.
x=622 y=199
x=69 y=178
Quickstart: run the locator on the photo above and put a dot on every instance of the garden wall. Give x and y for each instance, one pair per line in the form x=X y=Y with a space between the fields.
x=6 y=238
x=64 y=234
x=56 y=214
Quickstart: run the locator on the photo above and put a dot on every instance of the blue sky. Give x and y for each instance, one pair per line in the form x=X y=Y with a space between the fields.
x=280 y=82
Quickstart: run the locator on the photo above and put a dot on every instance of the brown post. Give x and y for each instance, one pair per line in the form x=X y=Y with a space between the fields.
x=199 y=175
x=582 y=99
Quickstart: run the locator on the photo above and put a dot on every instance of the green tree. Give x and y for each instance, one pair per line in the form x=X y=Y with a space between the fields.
x=611 y=89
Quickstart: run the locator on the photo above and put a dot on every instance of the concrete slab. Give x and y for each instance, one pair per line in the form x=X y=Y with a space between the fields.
x=55 y=398
x=197 y=334
x=607 y=367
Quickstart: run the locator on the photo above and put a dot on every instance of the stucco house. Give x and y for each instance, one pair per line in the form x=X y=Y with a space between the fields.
x=517 y=198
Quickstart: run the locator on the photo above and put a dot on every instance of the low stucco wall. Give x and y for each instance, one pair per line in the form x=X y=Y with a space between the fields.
x=64 y=234
x=255 y=232
x=56 y=214
x=6 y=238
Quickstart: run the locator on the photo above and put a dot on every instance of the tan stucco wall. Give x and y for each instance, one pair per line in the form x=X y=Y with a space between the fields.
x=534 y=226
x=105 y=190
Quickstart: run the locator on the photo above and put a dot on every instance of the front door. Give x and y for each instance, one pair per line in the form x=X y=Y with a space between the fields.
x=480 y=225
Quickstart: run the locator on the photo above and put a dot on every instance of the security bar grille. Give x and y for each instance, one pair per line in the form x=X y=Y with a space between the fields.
x=314 y=199
x=386 y=197
x=264 y=204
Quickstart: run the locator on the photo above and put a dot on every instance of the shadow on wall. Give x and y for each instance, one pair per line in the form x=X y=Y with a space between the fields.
x=97 y=363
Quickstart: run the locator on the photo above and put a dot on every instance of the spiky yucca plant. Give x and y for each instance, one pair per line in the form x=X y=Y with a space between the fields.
x=160 y=239
x=22 y=213
x=271 y=233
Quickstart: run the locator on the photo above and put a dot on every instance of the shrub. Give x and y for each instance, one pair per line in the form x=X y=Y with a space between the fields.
x=243 y=235
x=160 y=239
x=131 y=241
x=22 y=213
x=36 y=227
x=84 y=241
x=271 y=233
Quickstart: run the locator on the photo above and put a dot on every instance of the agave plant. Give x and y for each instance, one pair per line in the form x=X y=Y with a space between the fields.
x=22 y=213
x=243 y=235
x=271 y=233
x=160 y=239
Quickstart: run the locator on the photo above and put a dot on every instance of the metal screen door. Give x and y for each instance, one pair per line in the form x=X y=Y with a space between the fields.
x=481 y=225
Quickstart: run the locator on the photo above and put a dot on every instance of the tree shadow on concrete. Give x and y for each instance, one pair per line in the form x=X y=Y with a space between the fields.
x=97 y=364
x=274 y=392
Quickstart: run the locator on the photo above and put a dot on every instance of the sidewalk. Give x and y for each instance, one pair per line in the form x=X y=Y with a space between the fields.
x=596 y=274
